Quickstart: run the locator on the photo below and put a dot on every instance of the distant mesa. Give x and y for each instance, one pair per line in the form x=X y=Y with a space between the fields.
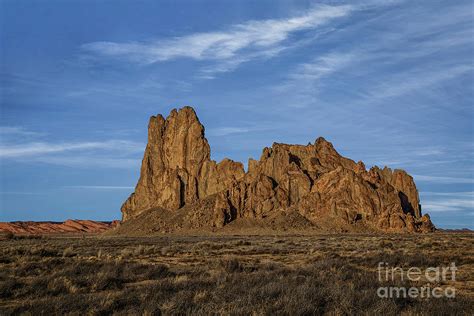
x=291 y=187
x=69 y=226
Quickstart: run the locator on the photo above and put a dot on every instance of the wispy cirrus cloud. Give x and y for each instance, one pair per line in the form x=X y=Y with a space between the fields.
x=449 y=205
x=230 y=130
x=387 y=65
x=322 y=66
x=448 y=202
x=114 y=153
x=443 y=180
x=469 y=194
x=99 y=187
x=223 y=131
x=42 y=148
x=7 y=131
x=306 y=78
x=414 y=81
x=107 y=160
x=235 y=45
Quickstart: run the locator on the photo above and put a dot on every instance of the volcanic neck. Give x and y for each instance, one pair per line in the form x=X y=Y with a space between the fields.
x=313 y=180
x=176 y=168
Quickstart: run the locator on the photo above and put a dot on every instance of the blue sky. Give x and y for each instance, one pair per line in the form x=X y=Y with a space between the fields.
x=388 y=82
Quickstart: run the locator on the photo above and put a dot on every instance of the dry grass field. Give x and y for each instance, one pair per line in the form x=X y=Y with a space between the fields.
x=259 y=275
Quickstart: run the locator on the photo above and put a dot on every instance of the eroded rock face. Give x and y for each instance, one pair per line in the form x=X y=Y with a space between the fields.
x=313 y=180
x=176 y=167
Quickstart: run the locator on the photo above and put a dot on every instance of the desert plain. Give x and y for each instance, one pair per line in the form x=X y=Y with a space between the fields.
x=269 y=274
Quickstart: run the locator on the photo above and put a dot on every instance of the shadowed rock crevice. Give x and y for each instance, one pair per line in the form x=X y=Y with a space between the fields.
x=314 y=181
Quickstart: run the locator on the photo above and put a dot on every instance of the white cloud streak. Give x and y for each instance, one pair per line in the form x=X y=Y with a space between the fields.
x=406 y=83
x=376 y=55
x=17 y=131
x=99 y=187
x=449 y=205
x=230 y=130
x=89 y=161
x=443 y=180
x=459 y=194
x=114 y=153
x=231 y=47
x=448 y=201
x=322 y=66
x=306 y=76
x=304 y=83
x=223 y=131
x=42 y=148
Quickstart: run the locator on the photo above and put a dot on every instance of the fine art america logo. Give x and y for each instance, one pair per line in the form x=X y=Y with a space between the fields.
x=431 y=277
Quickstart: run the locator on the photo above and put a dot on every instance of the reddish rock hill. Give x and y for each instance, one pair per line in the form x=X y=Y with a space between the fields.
x=69 y=226
x=180 y=187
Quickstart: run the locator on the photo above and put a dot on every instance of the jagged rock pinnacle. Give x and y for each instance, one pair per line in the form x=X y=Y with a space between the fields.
x=312 y=180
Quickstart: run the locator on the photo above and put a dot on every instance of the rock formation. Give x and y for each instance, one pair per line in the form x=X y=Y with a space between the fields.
x=176 y=168
x=312 y=181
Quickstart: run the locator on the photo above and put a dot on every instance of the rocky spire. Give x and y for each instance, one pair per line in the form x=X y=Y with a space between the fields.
x=313 y=180
x=176 y=167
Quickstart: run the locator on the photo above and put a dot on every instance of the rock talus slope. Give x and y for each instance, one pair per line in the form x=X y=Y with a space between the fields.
x=182 y=188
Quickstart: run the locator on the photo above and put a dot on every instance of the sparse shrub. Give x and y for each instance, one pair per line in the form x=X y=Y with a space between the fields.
x=270 y=266
x=107 y=282
x=38 y=287
x=5 y=259
x=7 y=287
x=168 y=251
x=157 y=271
x=140 y=250
x=126 y=253
x=385 y=244
x=216 y=246
x=61 y=285
x=136 y=271
x=150 y=250
x=43 y=251
x=241 y=242
x=109 y=278
x=231 y=265
x=29 y=269
x=68 y=252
